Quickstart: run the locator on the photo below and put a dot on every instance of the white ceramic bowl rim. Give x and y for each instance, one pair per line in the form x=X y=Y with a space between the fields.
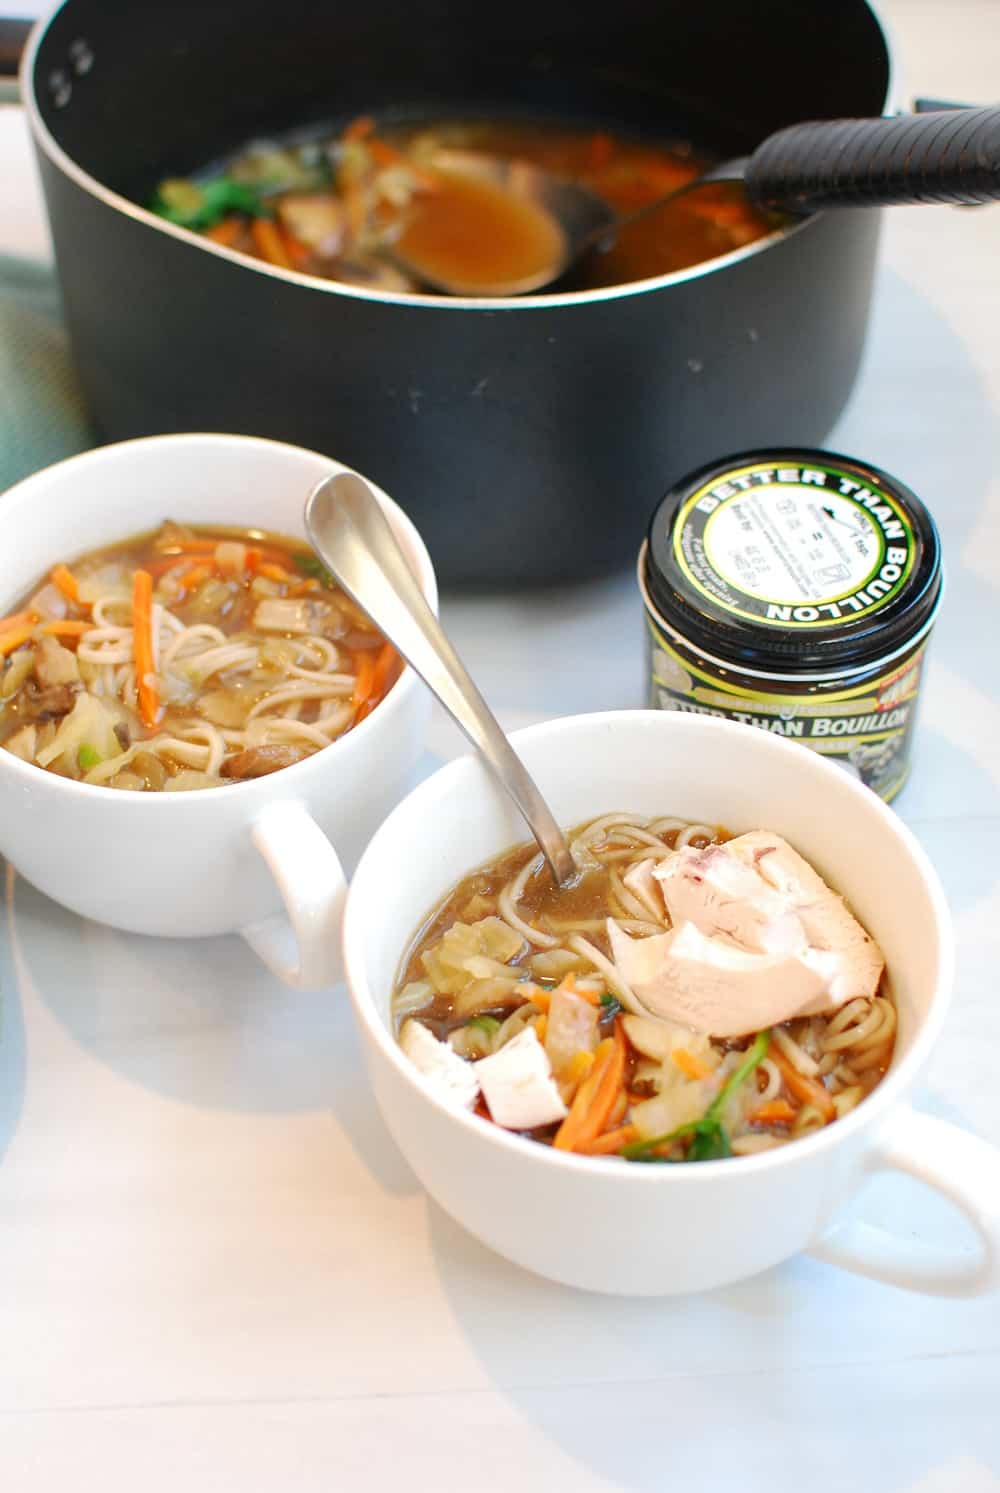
x=406 y=682
x=871 y=1109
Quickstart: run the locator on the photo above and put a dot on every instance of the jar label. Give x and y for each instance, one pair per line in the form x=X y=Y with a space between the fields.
x=794 y=546
x=867 y=729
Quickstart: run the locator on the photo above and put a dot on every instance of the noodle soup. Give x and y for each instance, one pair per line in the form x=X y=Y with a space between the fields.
x=188 y=658
x=541 y=1007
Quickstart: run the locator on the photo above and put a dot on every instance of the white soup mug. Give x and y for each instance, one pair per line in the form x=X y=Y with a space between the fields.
x=256 y=857
x=608 y=1225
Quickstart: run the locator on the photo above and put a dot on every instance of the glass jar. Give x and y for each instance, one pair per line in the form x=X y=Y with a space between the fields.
x=795 y=591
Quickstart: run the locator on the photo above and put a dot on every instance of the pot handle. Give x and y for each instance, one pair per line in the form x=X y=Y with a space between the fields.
x=960 y=1166
x=13 y=39
x=302 y=945
x=946 y=156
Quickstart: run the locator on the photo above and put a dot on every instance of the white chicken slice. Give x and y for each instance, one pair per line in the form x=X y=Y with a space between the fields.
x=518 y=1086
x=642 y=883
x=717 y=891
x=827 y=923
x=453 y=1078
x=712 y=986
x=758 y=939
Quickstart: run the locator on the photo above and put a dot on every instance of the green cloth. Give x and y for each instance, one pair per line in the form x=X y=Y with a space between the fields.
x=42 y=415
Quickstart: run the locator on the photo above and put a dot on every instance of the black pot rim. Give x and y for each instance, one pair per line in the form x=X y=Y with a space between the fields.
x=65 y=163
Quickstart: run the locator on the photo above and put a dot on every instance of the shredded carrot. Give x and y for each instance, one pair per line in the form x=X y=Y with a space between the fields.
x=269 y=243
x=541 y=1027
x=805 y=1089
x=297 y=251
x=359 y=128
x=602 y=148
x=569 y=985
x=774 y=1112
x=385 y=659
x=17 y=620
x=142 y=646
x=610 y=1142
x=542 y=999
x=64 y=578
x=63 y=628
x=273 y=572
x=194 y=576
x=13 y=637
x=226 y=231
x=689 y=1065
x=618 y=1109
x=596 y=1096
x=579 y=1065
x=253 y=559
x=363 y=680
x=384 y=154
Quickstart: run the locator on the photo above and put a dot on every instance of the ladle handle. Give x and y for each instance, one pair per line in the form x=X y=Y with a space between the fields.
x=348 y=528
x=950 y=156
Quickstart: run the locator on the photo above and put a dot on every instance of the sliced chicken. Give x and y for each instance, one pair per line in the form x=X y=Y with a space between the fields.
x=721 y=894
x=757 y=938
x=643 y=883
x=710 y=985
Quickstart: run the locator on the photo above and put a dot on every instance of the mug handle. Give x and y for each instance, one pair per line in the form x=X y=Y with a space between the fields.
x=313 y=888
x=960 y=1166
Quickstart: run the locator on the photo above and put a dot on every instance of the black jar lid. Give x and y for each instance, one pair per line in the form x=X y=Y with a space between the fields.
x=793 y=562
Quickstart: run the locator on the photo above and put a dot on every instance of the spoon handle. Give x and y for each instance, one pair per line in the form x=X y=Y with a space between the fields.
x=948 y=156
x=348 y=528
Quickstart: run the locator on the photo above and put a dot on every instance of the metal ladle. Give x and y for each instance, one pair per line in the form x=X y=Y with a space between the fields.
x=948 y=155
x=351 y=535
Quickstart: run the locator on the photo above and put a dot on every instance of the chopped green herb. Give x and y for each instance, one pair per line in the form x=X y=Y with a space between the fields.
x=88 y=757
x=312 y=565
x=201 y=205
x=487 y=1024
x=710 y=1140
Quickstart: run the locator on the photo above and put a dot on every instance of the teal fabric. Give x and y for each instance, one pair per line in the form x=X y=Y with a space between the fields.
x=42 y=415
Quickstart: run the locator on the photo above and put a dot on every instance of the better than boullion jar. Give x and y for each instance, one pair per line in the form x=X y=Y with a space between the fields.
x=795 y=591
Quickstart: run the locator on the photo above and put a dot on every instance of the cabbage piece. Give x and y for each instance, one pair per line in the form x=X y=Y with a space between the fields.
x=447 y=963
x=89 y=723
x=188 y=779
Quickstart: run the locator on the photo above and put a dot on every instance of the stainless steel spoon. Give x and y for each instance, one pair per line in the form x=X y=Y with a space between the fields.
x=948 y=155
x=349 y=532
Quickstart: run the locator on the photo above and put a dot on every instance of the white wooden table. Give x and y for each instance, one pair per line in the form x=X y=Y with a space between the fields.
x=217 y=1273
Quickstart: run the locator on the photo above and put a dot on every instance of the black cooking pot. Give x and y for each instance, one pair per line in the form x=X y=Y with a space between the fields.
x=529 y=439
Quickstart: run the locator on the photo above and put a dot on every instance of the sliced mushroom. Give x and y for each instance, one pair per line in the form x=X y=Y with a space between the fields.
x=256 y=762
x=53 y=703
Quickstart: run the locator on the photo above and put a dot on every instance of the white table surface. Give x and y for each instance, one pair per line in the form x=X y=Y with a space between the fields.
x=216 y=1271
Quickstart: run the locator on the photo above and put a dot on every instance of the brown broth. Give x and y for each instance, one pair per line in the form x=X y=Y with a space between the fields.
x=478 y=1013
x=468 y=233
